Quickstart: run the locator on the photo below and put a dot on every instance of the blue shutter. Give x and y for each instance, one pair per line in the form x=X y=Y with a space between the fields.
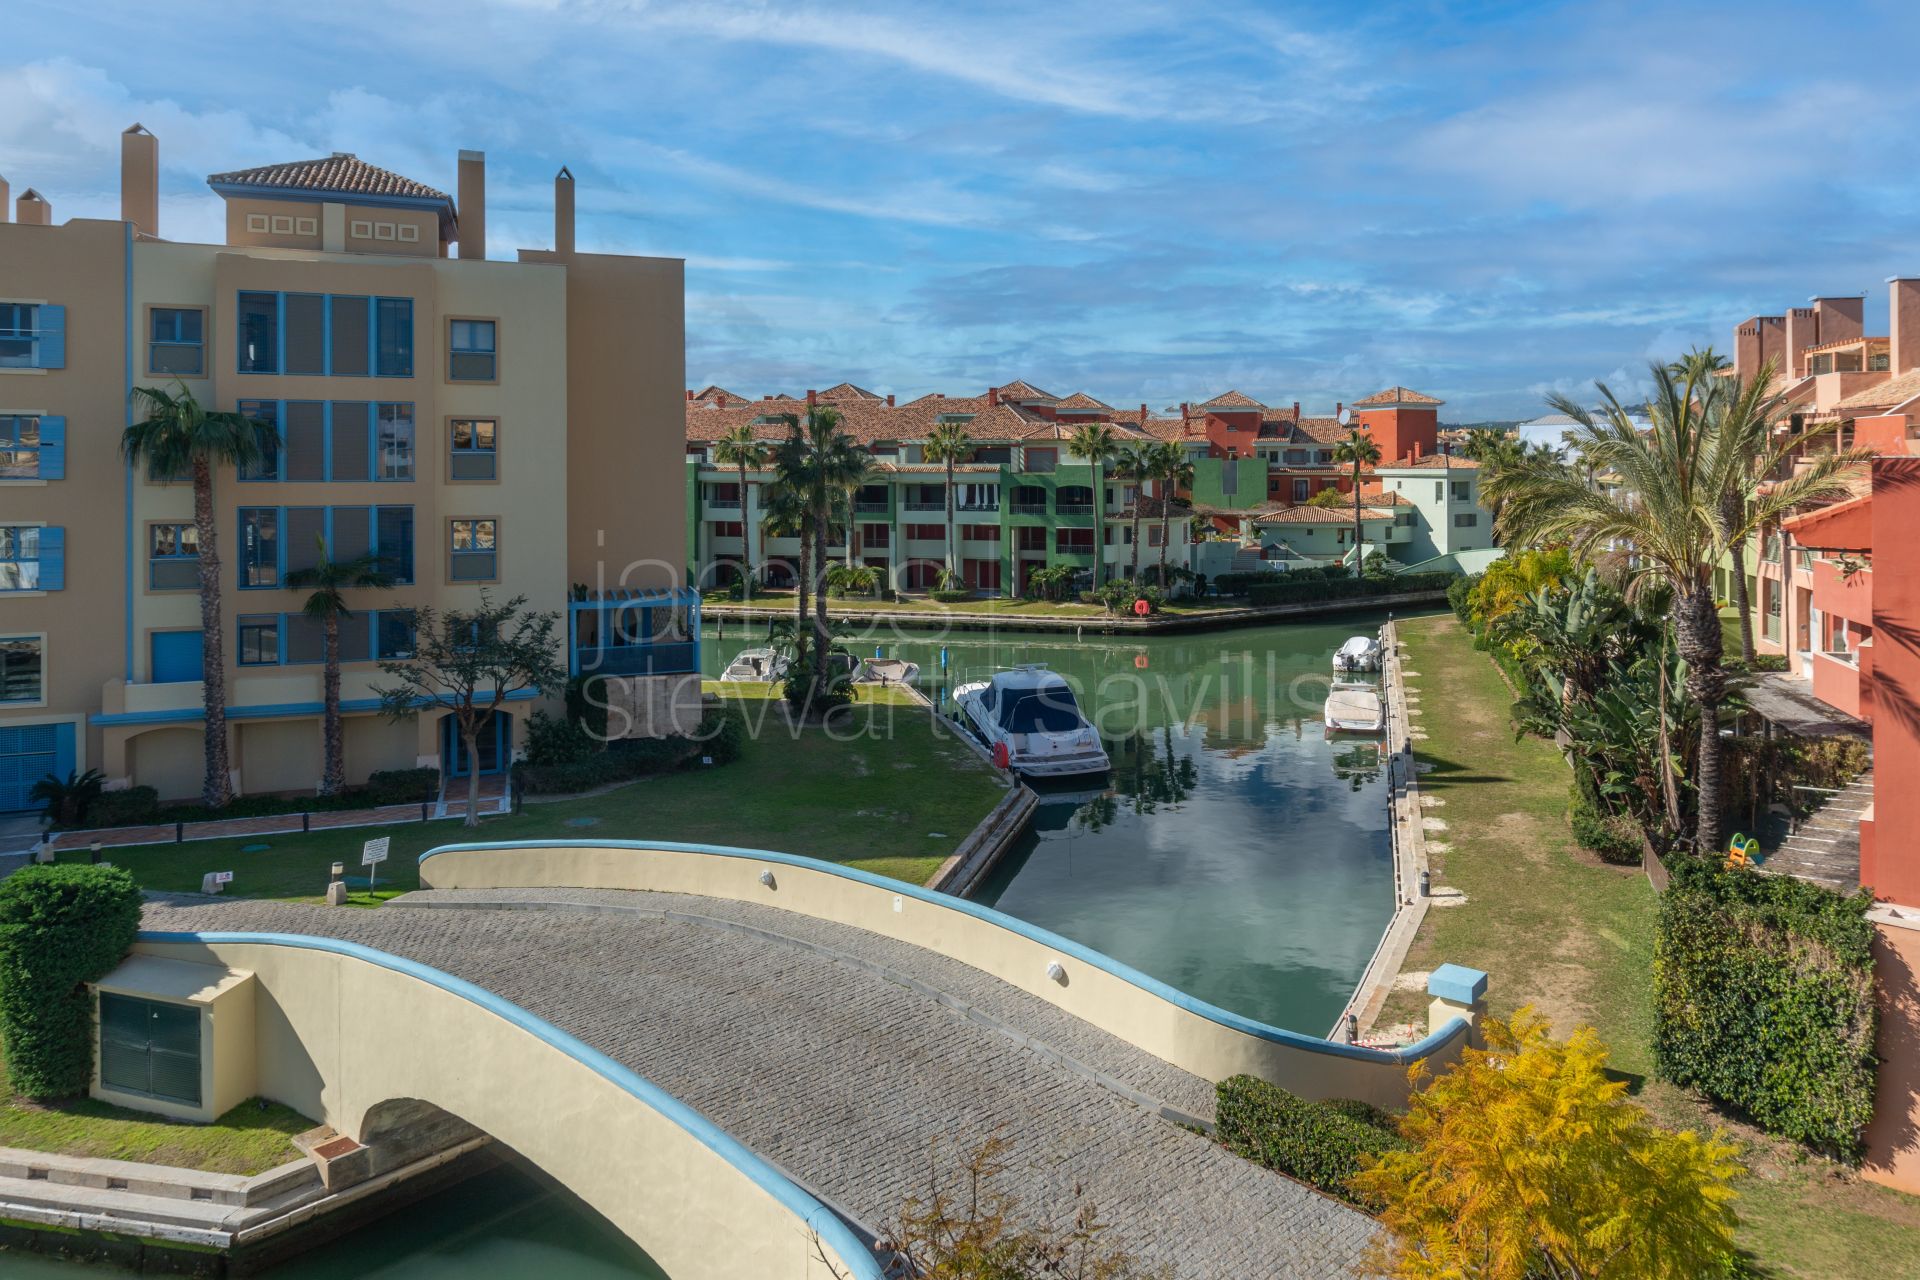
x=52 y=323
x=53 y=558
x=53 y=448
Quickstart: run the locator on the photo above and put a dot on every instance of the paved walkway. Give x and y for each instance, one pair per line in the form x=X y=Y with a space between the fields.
x=841 y=1055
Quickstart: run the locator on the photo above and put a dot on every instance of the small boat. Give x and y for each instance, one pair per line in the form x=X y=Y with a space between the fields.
x=887 y=671
x=755 y=666
x=1354 y=707
x=1359 y=653
x=1030 y=721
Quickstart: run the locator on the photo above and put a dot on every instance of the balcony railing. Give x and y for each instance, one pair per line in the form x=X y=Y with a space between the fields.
x=730 y=504
x=1073 y=508
x=640 y=659
x=1029 y=508
x=917 y=504
x=978 y=506
x=872 y=508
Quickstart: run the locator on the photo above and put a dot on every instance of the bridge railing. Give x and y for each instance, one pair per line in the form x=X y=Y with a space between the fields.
x=340 y=1028
x=1200 y=1037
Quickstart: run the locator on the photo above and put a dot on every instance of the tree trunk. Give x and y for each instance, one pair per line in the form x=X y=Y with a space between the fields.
x=470 y=734
x=801 y=581
x=1166 y=539
x=216 y=790
x=822 y=633
x=1697 y=632
x=1742 y=603
x=1359 y=554
x=746 y=539
x=1099 y=523
x=1139 y=499
x=334 y=780
x=953 y=548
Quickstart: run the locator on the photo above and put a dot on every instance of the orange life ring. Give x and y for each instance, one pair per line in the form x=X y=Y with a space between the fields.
x=1142 y=608
x=1000 y=757
x=1140 y=661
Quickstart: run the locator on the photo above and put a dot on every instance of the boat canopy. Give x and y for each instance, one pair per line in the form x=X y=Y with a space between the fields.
x=1046 y=707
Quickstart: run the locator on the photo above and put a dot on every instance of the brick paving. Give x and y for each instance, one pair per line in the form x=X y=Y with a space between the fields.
x=840 y=1056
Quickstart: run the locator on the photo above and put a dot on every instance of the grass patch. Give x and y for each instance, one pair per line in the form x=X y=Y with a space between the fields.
x=889 y=791
x=251 y=1138
x=1557 y=929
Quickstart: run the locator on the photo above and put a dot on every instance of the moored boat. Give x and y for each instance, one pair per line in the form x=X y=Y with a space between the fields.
x=887 y=671
x=1359 y=653
x=755 y=666
x=1354 y=707
x=1030 y=720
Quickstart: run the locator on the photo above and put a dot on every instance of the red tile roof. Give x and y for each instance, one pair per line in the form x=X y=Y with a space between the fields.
x=1306 y=514
x=1020 y=389
x=1081 y=400
x=1232 y=400
x=1395 y=395
x=1432 y=461
x=341 y=173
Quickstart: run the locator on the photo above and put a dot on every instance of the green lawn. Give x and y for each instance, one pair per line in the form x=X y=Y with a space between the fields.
x=251 y=1138
x=889 y=792
x=1557 y=929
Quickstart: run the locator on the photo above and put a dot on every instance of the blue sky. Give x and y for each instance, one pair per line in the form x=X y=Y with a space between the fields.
x=1151 y=201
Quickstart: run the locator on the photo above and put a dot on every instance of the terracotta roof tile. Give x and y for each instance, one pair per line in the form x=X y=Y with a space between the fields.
x=341 y=173
x=1872 y=345
x=1432 y=461
x=1317 y=515
x=1232 y=400
x=721 y=394
x=847 y=391
x=1020 y=389
x=1081 y=400
x=1395 y=395
x=1890 y=392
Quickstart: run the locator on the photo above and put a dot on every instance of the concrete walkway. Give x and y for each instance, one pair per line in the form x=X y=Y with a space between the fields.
x=840 y=1056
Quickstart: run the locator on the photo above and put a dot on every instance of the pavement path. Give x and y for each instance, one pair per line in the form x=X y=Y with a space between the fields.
x=841 y=1056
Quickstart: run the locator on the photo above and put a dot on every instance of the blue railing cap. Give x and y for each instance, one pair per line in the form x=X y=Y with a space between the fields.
x=1457 y=983
x=832 y=1232
x=1435 y=1040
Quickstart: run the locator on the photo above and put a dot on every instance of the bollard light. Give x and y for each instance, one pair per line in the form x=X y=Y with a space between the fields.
x=339 y=869
x=93 y=852
x=1426 y=884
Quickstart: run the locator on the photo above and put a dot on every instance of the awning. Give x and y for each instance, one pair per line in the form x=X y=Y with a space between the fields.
x=1787 y=703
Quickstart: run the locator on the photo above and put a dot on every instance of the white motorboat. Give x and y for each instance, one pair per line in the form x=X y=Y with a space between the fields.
x=887 y=671
x=1029 y=719
x=755 y=666
x=1354 y=707
x=1359 y=653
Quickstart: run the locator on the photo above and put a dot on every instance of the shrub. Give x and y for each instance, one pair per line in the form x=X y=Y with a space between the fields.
x=1321 y=1143
x=551 y=741
x=61 y=926
x=1119 y=594
x=1763 y=993
x=132 y=807
x=952 y=595
x=1302 y=586
x=1615 y=837
x=723 y=734
x=1236 y=584
x=400 y=786
x=67 y=800
x=1460 y=597
x=587 y=703
x=1769 y=662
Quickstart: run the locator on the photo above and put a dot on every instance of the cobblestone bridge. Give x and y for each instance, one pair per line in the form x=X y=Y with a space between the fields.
x=841 y=1056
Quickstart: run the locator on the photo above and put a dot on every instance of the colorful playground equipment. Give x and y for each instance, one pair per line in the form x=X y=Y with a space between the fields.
x=1743 y=851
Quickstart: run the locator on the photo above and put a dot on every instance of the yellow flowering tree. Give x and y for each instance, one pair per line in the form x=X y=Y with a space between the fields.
x=1527 y=1161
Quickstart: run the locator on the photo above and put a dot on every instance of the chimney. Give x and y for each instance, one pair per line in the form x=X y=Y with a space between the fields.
x=1143 y=412
x=1840 y=319
x=1803 y=331
x=32 y=209
x=563 y=212
x=6 y=201
x=1416 y=451
x=140 y=181
x=993 y=395
x=1183 y=410
x=1746 y=349
x=1337 y=407
x=1773 y=341
x=1296 y=411
x=1903 y=322
x=889 y=399
x=689 y=395
x=473 y=205
x=813 y=397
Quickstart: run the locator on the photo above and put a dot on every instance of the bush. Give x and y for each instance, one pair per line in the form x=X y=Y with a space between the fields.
x=1763 y=993
x=1460 y=597
x=132 y=807
x=1615 y=837
x=1321 y=1143
x=952 y=595
x=1119 y=594
x=61 y=926
x=587 y=703
x=1302 y=586
x=1236 y=584
x=551 y=741
x=400 y=786
x=723 y=734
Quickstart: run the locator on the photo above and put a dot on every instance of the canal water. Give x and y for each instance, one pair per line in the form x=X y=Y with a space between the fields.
x=507 y=1222
x=1236 y=852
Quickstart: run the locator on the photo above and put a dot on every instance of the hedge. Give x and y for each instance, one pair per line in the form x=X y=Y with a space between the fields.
x=722 y=735
x=1300 y=587
x=1615 y=837
x=140 y=806
x=132 y=807
x=956 y=595
x=61 y=926
x=1763 y=992
x=1320 y=1143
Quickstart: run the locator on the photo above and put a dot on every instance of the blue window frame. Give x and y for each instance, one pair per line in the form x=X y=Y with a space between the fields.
x=259 y=557
x=471 y=354
x=176 y=341
x=393 y=634
x=258 y=328
x=474 y=554
x=393 y=337
x=472 y=442
x=33 y=447
x=259 y=640
x=394 y=442
x=32 y=557
x=23 y=670
x=393 y=542
x=173 y=557
x=266 y=415
x=33 y=335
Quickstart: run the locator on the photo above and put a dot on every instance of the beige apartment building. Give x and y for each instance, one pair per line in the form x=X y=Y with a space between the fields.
x=507 y=426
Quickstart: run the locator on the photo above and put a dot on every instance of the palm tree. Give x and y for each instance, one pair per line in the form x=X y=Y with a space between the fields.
x=1667 y=508
x=330 y=580
x=785 y=515
x=742 y=449
x=817 y=463
x=949 y=443
x=1136 y=463
x=1360 y=449
x=1172 y=471
x=1701 y=363
x=1746 y=413
x=1097 y=443
x=178 y=435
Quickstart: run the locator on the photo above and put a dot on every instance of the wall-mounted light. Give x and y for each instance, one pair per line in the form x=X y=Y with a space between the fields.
x=1057 y=972
x=766 y=878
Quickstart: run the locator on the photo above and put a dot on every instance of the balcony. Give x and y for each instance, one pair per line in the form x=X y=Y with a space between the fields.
x=630 y=632
x=1029 y=508
x=920 y=504
x=674 y=658
x=1073 y=508
x=872 y=508
x=724 y=504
